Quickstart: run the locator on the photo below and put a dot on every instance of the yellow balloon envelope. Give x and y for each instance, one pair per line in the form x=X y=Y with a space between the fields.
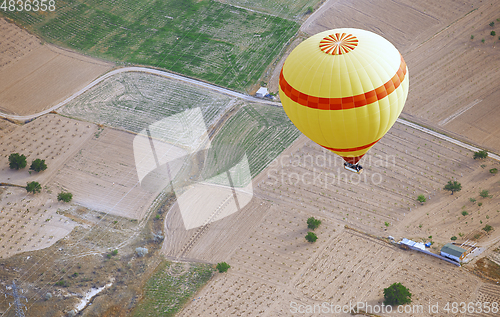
x=344 y=89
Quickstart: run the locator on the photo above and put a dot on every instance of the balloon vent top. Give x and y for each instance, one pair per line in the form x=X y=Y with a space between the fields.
x=338 y=44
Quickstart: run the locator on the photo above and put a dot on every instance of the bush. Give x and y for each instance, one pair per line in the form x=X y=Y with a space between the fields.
x=313 y=223
x=482 y=153
x=66 y=197
x=17 y=161
x=493 y=33
x=33 y=187
x=484 y=193
x=472 y=37
x=310 y=9
x=488 y=228
x=311 y=237
x=397 y=294
x=453 y=186
x=453 y=238
x=38 y=165
x=479 y=204
x=421 y=199
x=464 y=213
x=492 y=24
x=62 y=283
x=472 y=200
x=222 y=267
x=494 y=170
x=115 y=252
x=141 y=251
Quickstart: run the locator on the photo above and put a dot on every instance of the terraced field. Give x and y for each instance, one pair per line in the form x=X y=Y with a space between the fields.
x=206 y=39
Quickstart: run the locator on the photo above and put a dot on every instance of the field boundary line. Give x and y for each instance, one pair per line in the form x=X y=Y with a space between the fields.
x=445 y=137
x=459 y=112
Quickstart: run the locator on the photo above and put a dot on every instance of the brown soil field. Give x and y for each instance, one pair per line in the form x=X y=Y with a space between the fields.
x=35 y=76
x=452 y=77
x=102 y=176
x=273 y=265
x=30 y=221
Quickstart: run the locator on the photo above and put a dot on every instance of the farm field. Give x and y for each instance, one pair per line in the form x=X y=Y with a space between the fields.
x=272 y=264
x=295 y=10
x=205 y=39
x=30 y=222
x=134 y=101
x=34 y=76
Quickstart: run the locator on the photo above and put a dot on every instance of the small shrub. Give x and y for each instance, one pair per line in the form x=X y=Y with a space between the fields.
x=222 y=267
x=33 y=187
x=482 y=153
x=310 y=9
x=494 y=170
x=62 y=283
x=421 y=199
x=472 y=37
x=479 y=204
x=477 y=236
x=17 y=161
x=484 y=193
x=492 y=24
x=493 y=33
x=453 y=238
x=311 y=237
x=141 y=251
x=488 y=228
x=66 y=197
x=472 y=200
x=482 y=40
x=313 y=223
x=115 y=252
x=387 y=224
x=464 y=213
x=397 y=294
x=38 y=165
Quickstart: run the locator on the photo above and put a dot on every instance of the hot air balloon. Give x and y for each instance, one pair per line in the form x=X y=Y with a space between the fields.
x=344 y=89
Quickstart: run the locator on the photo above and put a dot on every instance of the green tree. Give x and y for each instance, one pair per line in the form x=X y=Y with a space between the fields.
x=492 y=24
x=222 y=267
x=313 y=223
x=17 y=161
x=481 y=154
x=66 y=197
x=311 y=237
x=493 y=33
x=464 y=213
x=453 y=238
x=397 y=294
x=484 y=193
x=38 y=165
x=453 y=186
x=33 y=187
x=488 y=228
x=421 y=198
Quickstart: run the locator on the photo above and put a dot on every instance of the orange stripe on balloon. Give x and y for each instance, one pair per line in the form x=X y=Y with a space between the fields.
x=353 y=149
x=346 y=102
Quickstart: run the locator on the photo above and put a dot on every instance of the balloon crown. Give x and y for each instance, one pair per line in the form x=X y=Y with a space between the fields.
x=338 y=44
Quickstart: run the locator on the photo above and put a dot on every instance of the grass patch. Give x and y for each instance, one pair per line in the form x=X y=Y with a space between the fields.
x=171 y=287
x=204 y=39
